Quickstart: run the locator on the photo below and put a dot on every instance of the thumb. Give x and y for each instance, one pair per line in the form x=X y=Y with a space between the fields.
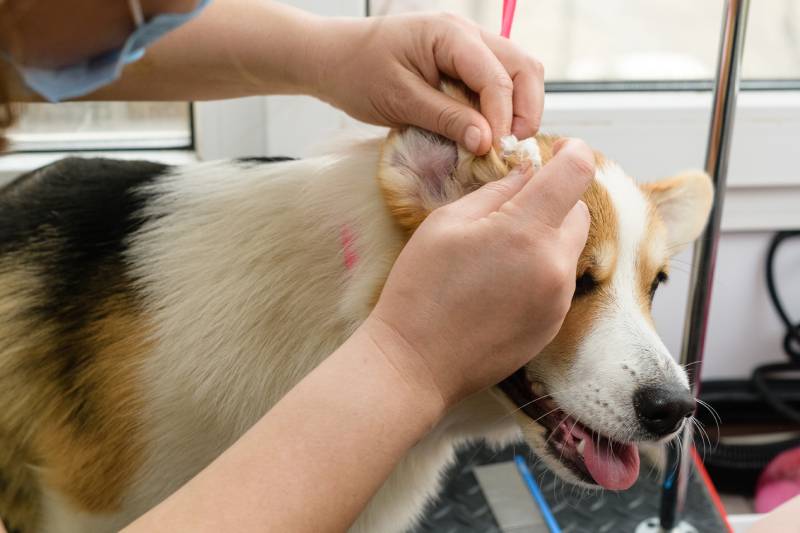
x=437 y=112
x=488 y=199
x=575 y=228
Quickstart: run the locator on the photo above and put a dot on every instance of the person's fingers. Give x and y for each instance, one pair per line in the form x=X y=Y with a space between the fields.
x=575 y=228
x=435 y=111
x=471 y=61
x=528 y=100
x=559 y=184
x=487 y=199
x=527 y=75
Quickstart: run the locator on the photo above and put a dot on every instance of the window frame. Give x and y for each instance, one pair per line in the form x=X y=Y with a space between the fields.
x=94 y=142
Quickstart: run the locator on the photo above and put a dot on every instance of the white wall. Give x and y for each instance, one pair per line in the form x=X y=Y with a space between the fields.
x=743 y=330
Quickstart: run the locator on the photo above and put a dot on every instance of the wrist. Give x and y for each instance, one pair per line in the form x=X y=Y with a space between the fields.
x=330 y=44
x=406 y=367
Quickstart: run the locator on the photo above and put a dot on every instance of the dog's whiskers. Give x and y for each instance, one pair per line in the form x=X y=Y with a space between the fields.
x=711 y=410
x=546 y=396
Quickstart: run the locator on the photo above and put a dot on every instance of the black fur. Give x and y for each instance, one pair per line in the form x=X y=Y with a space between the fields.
x=89 y=203
x=250 y=161
x=71 y=219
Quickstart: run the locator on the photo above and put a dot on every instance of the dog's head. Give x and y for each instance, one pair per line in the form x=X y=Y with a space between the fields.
x=606 y=381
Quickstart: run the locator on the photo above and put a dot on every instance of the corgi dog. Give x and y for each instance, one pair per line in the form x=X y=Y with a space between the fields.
x=149 y=315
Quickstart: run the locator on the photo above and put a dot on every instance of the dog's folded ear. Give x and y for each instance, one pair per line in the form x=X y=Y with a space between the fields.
x=683 y=203
x=420 y=171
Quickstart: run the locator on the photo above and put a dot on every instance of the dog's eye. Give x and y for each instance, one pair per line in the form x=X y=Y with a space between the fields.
x=661 y=277
x=585 y=284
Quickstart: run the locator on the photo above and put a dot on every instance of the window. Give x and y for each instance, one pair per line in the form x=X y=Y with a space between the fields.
x=103 y=125
x=630 y=41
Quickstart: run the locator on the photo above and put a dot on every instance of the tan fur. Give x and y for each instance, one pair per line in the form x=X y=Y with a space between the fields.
x=19 y=491
x=650 y=261
x=19 y=494
x=560 y=354
x=76 y=462
x=599 y=258
x=682 y=203
x=46 y=444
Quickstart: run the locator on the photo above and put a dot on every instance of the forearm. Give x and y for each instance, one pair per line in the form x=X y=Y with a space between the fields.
x=233 y=48
x=313 y=462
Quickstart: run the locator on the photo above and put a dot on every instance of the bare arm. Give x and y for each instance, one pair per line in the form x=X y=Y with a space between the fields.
x=234 y=48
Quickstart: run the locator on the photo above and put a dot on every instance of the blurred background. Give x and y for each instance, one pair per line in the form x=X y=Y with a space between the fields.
x=584 y=44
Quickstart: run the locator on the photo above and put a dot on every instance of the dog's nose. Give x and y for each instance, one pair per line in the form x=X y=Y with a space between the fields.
x=661 y=410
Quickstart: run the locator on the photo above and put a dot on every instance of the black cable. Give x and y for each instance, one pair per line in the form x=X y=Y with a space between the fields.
x=791 y=341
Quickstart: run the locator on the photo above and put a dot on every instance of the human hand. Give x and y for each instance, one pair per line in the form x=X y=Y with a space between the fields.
x=485 y=282
x=387 y=71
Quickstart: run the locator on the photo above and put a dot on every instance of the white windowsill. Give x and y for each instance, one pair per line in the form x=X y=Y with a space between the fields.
x=101 y=140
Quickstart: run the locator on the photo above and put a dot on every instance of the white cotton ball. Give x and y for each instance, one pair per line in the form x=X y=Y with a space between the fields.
x=529 y=149
x=508 y=144
x=526 y=149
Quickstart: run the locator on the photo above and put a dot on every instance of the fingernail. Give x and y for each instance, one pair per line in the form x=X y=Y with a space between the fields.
x=472 y=139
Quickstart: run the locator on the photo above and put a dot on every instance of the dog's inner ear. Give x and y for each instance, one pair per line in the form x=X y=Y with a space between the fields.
x=682 y=203
x=426 y=159
x=420 y=171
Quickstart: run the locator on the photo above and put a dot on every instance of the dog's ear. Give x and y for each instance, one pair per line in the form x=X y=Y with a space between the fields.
x=420 y=171
x=683 y=203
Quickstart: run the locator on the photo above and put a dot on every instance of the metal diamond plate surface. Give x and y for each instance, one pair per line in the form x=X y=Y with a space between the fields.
x=463 y=508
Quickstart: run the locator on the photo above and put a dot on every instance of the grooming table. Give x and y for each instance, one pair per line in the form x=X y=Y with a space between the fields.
x=464 y=506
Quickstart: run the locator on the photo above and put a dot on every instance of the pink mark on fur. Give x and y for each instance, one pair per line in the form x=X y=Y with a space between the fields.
x=348 y=241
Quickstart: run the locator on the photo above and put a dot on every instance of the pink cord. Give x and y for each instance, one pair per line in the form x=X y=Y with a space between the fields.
x=508 y=17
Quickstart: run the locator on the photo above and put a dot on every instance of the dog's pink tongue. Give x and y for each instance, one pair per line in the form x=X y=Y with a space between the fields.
x=614 y=469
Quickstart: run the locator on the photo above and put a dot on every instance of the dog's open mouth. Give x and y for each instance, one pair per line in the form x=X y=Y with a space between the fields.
x=589 y=455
